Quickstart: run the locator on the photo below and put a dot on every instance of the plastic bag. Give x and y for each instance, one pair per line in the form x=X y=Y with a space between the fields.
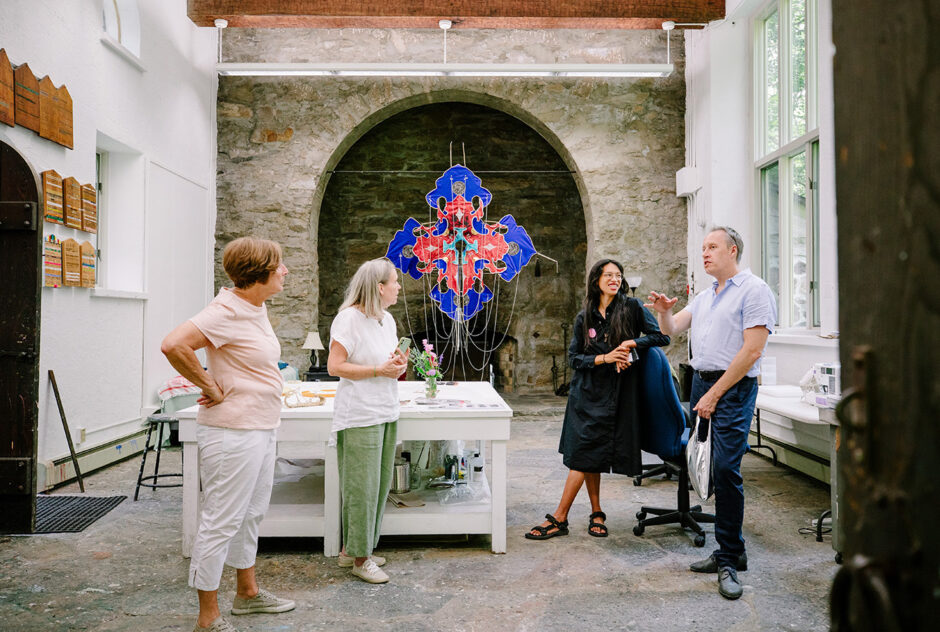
x=469 y=493
x=698 y=455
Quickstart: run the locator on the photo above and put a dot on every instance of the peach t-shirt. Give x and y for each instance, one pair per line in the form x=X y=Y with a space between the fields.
x=242 y=357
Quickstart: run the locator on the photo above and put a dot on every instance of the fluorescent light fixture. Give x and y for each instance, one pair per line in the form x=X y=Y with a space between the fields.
x=267 y=69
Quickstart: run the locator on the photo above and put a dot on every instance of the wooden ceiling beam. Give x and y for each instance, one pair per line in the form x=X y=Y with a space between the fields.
x=465 y=14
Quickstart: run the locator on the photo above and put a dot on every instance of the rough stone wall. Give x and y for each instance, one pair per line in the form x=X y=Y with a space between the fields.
x=364 y=209
x=279 y=138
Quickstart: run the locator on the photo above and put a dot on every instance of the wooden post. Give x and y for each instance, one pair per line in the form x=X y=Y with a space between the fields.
x=65 y=426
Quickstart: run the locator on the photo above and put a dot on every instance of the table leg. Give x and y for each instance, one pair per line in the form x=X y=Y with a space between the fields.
x=190 y=495
x=332 y=504
x=499 y=496
x=759 y=445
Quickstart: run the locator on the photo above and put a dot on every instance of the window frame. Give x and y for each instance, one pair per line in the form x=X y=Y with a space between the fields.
x=787 y=148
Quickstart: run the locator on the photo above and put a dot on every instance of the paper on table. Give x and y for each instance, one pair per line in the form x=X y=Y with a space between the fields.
x=409 y=499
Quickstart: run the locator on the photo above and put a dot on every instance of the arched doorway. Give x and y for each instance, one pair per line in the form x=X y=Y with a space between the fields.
x=20 y=244
x=382 y=180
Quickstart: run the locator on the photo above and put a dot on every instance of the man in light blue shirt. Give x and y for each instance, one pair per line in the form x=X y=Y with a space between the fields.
x=730 y=322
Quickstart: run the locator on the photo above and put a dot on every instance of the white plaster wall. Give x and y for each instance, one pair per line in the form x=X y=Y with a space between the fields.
x=720 y=136
x=100 y=343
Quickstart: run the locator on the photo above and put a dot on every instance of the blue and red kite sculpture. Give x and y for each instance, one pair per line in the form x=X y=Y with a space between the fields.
x=460 y=246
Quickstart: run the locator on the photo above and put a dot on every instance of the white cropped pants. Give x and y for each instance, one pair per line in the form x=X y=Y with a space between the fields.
x=236 y=469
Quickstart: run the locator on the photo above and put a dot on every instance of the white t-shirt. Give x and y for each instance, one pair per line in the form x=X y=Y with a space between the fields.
x=370 y=401
x=243 y=359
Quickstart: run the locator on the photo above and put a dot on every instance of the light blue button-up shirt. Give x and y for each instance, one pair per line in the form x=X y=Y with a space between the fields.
x=719 y=320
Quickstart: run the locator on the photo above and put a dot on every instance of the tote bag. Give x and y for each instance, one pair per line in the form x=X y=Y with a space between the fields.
x=698 y=455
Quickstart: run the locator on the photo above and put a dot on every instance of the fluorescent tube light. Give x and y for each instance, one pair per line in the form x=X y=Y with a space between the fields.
x=442 y=70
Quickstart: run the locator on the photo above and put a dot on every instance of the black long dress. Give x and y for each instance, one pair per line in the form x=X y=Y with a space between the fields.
x=601 y=432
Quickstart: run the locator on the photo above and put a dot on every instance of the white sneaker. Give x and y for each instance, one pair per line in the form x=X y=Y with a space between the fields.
x=219 y=625
x=369 y=572
x=262 y=602
x=345 y=561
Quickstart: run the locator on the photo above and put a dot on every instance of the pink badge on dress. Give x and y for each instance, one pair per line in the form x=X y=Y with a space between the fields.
x=592 y=333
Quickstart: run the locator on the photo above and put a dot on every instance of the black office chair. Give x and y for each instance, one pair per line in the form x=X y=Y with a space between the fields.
x=665 y=433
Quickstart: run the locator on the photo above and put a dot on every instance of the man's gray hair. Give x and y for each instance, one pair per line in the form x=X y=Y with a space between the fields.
x=734 y=239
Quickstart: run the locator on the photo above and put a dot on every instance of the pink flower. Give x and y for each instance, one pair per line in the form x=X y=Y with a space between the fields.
x=592 y=333
x=432 y=373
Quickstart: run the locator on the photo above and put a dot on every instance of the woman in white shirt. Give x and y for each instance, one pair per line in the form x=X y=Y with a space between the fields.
x=364 y=355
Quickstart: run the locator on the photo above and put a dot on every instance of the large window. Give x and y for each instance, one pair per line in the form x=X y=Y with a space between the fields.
x=121 y=182
x=787 y=158
x=121 y=21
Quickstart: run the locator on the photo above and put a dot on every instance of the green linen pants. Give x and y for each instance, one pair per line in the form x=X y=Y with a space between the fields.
x=366 y=457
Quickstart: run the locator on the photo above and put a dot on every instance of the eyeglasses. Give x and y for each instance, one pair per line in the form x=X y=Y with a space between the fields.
x=611 y=275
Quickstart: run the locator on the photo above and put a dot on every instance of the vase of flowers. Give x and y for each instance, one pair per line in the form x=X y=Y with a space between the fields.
x=428 y=365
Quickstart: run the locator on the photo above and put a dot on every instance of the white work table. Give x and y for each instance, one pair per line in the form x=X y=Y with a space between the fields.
x=786 y=401
x=311 y=507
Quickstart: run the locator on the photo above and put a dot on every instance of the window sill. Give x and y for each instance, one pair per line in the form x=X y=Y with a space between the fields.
x=123 y=52
x=805 y=337
x=100 y=292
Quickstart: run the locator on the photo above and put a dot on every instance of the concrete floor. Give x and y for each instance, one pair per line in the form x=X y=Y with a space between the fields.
x=125 y=571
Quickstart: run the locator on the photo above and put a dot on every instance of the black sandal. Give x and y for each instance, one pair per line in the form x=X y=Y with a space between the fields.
x=597 y=525
x=561 y=528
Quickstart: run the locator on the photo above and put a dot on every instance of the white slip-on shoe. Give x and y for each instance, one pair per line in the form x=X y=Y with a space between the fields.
x=345 y=561
x=219 y=625
x=369 y=572
x=262 y=602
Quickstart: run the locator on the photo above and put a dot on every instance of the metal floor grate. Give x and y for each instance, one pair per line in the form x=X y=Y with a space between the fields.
x=71 y=514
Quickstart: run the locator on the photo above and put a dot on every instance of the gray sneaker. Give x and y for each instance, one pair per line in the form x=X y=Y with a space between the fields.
x=262 y=602
x=710 y=564
x=219 y=625
x=729 y=586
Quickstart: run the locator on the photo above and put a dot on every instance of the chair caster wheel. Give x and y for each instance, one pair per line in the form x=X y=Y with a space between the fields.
x=638 y=530
x=699 y=540
x=637 y=481
x=839 y=557
x=641 y=515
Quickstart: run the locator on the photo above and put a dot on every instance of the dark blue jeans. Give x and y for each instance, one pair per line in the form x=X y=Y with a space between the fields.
x=730 y=424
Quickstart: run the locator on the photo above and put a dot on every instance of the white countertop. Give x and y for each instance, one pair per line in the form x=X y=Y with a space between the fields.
x=785 y=400
x=461 y=399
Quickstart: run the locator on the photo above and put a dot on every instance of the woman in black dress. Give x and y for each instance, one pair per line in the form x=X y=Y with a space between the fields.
x=600 y=432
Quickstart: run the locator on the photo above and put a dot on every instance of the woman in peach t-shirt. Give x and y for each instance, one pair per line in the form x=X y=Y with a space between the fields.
x=237 y=421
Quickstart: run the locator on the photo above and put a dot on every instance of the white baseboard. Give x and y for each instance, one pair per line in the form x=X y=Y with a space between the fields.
x=54 y=473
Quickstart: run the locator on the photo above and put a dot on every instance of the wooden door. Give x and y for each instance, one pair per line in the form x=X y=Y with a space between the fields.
x=20 y=244
x=887 y=148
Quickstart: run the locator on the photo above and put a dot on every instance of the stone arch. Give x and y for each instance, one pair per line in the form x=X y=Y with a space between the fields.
x=441 y=96
x=540 y=336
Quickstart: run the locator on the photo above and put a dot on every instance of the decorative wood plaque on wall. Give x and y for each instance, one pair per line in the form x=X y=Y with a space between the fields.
x=48 y=110
x=63 y=103
x=52 y=261
x=52 y=197
x=88 y=264
x=89 y=209
x=73 y=203
x=7 y=113
x=71 y=263
x=26 y=98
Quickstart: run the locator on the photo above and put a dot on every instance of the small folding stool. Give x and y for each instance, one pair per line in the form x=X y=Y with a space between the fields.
x=156 y=421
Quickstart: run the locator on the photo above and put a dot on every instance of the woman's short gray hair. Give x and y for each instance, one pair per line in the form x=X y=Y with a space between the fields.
x=734 y=239
x=363 y=290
